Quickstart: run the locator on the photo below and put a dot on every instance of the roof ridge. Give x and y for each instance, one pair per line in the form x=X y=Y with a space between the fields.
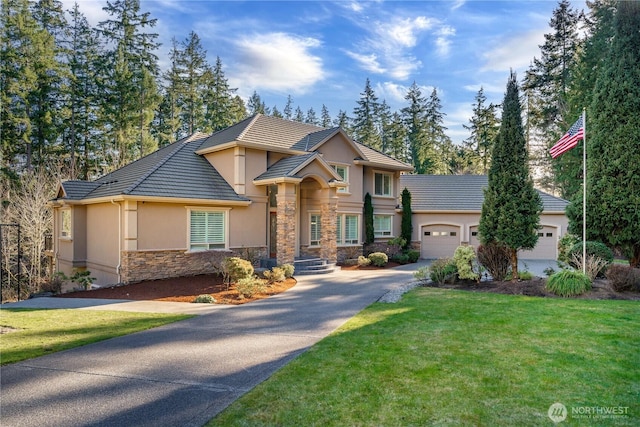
x=180 y=144
x=249 y=125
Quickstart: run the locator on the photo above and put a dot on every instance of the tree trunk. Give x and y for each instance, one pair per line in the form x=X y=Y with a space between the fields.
x=635 y=257
x=514 y=265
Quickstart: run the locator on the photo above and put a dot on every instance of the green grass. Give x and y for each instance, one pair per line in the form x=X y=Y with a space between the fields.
x=40 y=332
x=445 y=357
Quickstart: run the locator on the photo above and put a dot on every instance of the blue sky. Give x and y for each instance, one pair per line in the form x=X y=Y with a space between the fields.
x=322 y=52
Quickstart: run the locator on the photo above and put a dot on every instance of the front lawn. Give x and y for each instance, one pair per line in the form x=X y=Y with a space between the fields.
x=446 y=357
x=28 y=333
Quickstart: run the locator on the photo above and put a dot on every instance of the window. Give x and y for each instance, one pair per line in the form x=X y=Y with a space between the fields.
x=65 y=223
x=314 y=230
x=382 y=184
x=207 y=230
x=343 y=171
x=381 y=225
x=347 y=229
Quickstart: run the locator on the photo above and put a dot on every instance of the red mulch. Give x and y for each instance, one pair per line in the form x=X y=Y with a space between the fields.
x=181 y=289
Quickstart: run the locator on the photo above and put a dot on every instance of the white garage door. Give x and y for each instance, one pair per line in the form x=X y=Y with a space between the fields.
x=546 y=248
x=439 y=241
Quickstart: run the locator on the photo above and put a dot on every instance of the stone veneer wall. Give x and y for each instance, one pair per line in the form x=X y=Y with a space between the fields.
x=137 y=266
x=328 y=243
x=286 y=246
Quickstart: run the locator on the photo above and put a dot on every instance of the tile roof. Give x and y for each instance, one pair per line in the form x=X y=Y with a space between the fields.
x=285 y=167
x=459 y=193
x=172 y=171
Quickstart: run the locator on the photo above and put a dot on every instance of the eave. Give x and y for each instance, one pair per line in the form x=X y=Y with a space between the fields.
x=155 y=199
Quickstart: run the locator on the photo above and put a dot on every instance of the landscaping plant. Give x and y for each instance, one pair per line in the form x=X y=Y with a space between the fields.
x=594 y=250
x=205 y=299
x=276 y=274
x=247 y=287
x=379 y=259
x=464 y=258
x=495 y=258
x=568 y=283
x=442 y=270
x=624 y=278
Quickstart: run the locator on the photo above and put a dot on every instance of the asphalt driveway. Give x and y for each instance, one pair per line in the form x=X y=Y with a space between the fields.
x=186 y=372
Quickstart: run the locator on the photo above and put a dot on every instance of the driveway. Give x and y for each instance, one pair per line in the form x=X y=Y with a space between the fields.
x=186 y=372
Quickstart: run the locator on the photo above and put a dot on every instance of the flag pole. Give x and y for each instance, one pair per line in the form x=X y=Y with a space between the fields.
x=584 y=191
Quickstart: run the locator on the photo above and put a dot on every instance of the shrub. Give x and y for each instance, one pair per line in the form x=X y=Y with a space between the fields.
x=567 y=283
x=398 y=241
x=379 y=259
x=596 y=249
x=441 y=270
x=82 y=278
x=276 y=274
x=54 y=283
x=496 y=259
x=464 y=257
x=235 y=269
x=363 y=261
x=565 y=244
x=401 y=259
x=421 y=274
x=247 y=287
x=549 y=271
x=594 y=266
x=413 y=255
x=624 y=278
x=205 y=299
x=288 y=269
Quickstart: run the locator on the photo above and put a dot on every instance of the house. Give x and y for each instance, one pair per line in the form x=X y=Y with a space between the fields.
x=263 y=188
x=446 y=213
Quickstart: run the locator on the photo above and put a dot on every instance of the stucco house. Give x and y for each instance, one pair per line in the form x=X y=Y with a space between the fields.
x=268 y=186
x=265 y=187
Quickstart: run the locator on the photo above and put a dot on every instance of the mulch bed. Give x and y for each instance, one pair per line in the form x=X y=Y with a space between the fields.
x=186 y=289
x=181 y=289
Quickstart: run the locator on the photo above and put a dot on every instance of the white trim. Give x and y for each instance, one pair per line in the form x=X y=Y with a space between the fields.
x=319 y=215
x=391 y=176
x=382 y=236
x=358 y=215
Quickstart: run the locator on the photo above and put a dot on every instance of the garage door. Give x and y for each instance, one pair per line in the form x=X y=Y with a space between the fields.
x=546 y=248
x=439 y=241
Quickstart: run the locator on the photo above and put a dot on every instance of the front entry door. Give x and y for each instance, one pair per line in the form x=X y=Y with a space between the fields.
x=273 y=234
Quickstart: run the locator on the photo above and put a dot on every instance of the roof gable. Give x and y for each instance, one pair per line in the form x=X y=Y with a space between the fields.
x=290 y=167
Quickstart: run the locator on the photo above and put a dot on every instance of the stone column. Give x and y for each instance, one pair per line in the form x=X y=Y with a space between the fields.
x=286 y=227
x=328 y=212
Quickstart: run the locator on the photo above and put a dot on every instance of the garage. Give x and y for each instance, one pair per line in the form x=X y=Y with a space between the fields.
x=546 y=248
x=439 y=241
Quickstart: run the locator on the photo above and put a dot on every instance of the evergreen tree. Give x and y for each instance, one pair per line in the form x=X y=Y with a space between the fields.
x=439 y=146
x=414 y=116
x=395 y=138
x=256 y=106
x=406 y=227
x=511 y=208
x=325 y=117
x=547 y=83
x=311 y=117
x=130 y=70
x=194 y=71
x=276 y=113
x=567 y=169
x=298 y=116
x=613 y=143
x=288 y=108
x=342 y=121
x=167 y=124
x=369 y=232
x=83 y=52
x=483 y=126
x=366 y=117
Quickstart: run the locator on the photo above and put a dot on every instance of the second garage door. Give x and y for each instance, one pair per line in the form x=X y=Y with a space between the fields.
x=439 y=241
x=546 y=248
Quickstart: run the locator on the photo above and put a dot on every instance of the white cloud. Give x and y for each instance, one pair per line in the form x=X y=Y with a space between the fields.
x=514 y=52
x=276 y=61
x=92 y=10
x=368 y=62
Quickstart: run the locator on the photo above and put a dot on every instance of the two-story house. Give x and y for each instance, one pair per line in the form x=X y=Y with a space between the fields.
x=268 y=186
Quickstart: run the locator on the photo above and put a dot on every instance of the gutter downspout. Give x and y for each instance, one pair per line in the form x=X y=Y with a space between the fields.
x=119 y=240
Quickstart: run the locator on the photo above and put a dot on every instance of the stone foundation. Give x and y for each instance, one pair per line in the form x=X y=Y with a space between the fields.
x=137 y=266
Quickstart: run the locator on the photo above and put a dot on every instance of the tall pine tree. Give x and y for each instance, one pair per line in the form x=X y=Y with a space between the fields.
x=511 y=208
x=613 y=143
x=366 y=117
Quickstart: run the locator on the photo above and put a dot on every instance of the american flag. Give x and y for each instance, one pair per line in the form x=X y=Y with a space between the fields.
x=569 y=140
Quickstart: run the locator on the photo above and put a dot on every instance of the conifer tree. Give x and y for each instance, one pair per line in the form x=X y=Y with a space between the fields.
x=438 y=145
x=613 y=143
x=414 y=116
x=369 y=232
x=483 y=126
x=194 y=69
x=511 y=209
x=406 y=226
x=325 y=117
x=366 y=117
